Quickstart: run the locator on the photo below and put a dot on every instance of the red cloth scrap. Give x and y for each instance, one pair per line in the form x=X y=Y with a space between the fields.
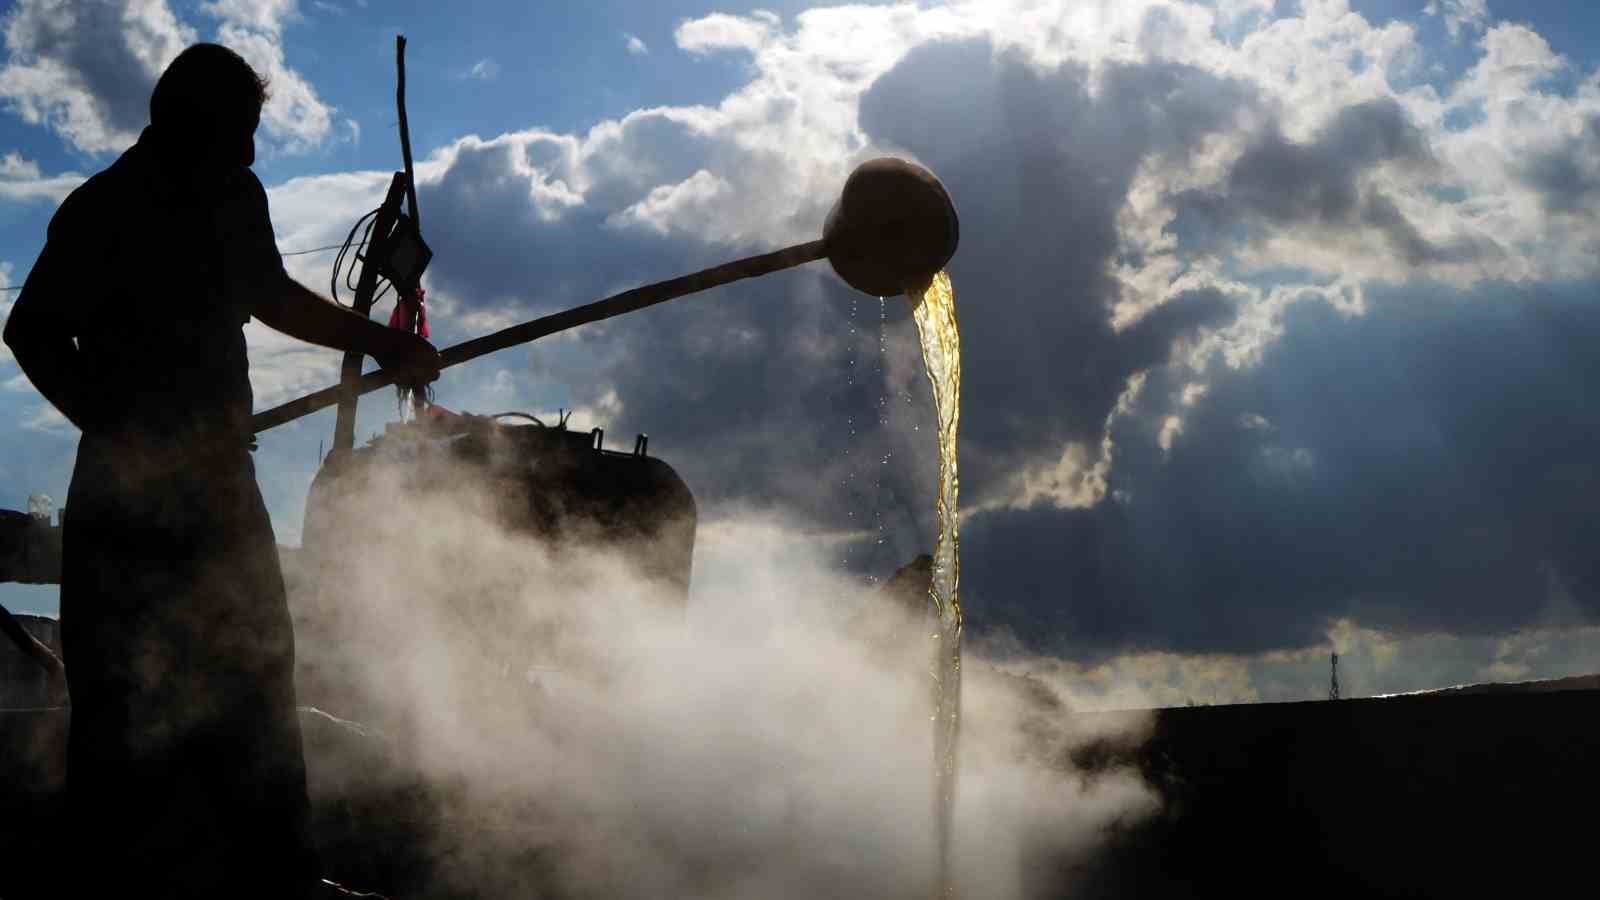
x=410 y=313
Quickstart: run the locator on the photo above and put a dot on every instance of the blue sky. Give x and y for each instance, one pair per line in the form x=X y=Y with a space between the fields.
x=1271 y=309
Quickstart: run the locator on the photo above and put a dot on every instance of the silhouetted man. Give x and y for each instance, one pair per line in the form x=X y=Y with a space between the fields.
x=185 y=772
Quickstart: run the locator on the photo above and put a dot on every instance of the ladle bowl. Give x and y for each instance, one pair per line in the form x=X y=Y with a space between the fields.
x=892 y=229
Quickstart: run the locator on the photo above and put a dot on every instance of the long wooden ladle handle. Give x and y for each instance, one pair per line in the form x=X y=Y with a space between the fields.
x=616 y=305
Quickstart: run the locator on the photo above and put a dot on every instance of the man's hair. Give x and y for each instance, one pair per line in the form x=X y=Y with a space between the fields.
x=205 y=83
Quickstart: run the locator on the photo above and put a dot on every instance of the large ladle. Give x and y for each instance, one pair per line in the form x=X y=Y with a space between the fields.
x=891 y=231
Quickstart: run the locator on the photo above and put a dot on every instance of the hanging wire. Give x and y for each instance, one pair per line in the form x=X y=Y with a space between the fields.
x=306 y=252
x=351 y=275
x=353 y=253
x=312 y=250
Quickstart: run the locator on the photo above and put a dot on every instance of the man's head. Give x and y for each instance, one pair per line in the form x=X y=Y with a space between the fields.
x=208 y=104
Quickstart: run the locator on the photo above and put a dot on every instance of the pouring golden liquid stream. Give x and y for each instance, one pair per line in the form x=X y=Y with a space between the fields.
x=935 y=315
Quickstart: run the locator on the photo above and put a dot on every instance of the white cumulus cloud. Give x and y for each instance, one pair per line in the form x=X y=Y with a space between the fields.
x=1460 y=15
x=295 y=118
x=721 y=31
x=85 y=70
x=259 y=15
x=21 y=179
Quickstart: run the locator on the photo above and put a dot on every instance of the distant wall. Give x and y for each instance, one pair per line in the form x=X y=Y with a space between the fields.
x=23 y=682
x=30 y=548
x=1488 y=794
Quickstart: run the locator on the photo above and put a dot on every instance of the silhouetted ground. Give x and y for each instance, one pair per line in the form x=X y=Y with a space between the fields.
x=1448 y=794
x=1451 y=794
x=372 y=823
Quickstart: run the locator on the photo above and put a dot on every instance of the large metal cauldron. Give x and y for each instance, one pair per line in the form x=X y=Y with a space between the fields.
x=552 y=482
x=558 y=487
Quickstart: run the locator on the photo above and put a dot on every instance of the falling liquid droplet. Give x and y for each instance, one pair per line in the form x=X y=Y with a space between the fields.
x=883 y=396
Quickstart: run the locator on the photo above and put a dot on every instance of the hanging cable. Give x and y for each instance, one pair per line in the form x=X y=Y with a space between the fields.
x=344 y=250
x=306 y=252
x=312 y=250
x=352 y=275
x=520 y=415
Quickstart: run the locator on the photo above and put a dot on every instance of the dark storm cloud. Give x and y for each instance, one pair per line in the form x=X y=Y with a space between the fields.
x=752 y=384
x=735 y=387
x=500 y=245
x=1039 y=169
x=1434 y=464
x=1567 y=177
x=511 y=230
x=1148 y=342
x=1422 y=466
x=1277 y=183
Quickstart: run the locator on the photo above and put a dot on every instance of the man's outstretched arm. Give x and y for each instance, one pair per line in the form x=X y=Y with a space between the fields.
x=290 y=307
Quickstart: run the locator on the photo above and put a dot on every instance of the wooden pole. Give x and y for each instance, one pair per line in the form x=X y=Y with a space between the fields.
x=616 y=305
x=418 y=398
x=405 y=133
x=344 y=427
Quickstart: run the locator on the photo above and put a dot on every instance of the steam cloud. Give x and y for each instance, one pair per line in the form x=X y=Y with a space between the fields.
x=772 y=739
